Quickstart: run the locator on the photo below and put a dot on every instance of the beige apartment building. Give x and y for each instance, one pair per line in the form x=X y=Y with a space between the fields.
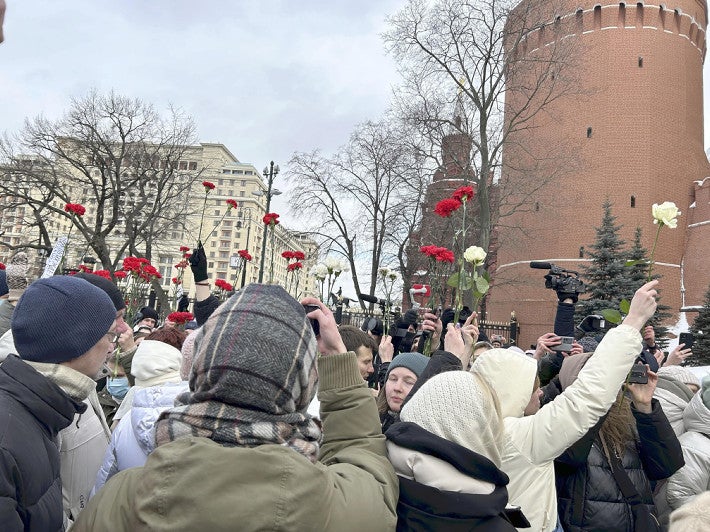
x=231 y=230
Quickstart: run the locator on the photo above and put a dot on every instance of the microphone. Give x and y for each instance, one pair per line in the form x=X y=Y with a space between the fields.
x=541 y=265
x=369 y=298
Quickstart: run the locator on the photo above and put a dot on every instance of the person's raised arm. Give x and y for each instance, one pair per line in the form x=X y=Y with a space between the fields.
x=566 y=419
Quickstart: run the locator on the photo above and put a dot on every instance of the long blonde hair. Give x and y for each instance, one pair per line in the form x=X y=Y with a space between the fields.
x=619 y=427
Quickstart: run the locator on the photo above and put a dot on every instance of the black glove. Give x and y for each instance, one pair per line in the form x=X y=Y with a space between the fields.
x=198 y=263
x=562 y=295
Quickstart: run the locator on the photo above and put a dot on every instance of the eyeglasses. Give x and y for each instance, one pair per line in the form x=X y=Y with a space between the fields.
x=113 y=337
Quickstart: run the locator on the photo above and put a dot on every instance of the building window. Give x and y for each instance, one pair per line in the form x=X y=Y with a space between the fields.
x=589 y=132
x=225 y=171
x=216 y=212
x=537 y=206
x=633 y=202
x=212 y=254
x=640 y=62
x=192 y=165
x=581 y=252
x=210 y=265
x=183 y=165
x=248 y=172
x=241 y=193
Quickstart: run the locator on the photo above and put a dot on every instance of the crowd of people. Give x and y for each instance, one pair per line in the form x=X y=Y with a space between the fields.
x=248 y=420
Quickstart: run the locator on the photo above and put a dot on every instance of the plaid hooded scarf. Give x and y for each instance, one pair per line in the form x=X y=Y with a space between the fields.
x=253 y=376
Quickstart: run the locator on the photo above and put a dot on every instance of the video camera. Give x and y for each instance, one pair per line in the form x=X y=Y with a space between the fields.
x=565 y=282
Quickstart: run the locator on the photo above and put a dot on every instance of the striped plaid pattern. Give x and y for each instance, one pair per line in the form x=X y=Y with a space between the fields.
x=253 y=376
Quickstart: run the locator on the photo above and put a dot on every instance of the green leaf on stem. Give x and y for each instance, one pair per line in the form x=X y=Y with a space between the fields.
x=481 y=285
x=611 y=315
x=625 y=306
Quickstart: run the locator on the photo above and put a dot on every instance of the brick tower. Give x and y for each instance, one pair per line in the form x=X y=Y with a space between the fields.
x=637 y=129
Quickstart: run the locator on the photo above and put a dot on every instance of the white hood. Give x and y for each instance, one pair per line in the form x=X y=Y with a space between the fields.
x=155 y=363
x=697 y=416
x=512 y=377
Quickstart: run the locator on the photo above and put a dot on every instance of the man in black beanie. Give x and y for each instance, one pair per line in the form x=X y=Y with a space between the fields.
x=242 y=442
x=41 y=394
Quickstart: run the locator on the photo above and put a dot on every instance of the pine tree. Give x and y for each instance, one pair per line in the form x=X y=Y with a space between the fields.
x=607 y=278
x=701 y=330
x=638 y=274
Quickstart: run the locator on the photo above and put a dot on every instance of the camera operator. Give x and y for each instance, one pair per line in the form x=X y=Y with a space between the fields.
x=568 y=290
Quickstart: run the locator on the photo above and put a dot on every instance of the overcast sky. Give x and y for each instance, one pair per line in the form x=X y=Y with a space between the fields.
x=264 y=77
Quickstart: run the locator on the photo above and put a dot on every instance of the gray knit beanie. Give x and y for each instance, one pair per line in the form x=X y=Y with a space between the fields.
x=60 y=318
x=414 y=362
x=679 y=373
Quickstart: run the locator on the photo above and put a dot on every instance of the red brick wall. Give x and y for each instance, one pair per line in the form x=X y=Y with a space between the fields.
x=646 y=141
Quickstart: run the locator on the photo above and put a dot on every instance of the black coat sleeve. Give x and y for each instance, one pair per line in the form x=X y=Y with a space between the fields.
x=659 y=448
x=550 y=391
x=204 y=309
x=564 y=319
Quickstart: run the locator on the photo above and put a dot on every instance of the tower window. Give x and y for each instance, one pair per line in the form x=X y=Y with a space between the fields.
x=633 y=202
x=640 y=62
x=589 y=132
x=537 y=206
x=581 y=252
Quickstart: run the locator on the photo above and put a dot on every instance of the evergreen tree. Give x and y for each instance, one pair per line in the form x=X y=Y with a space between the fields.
x=701 y=330
x=607 y=278
x=638 y=274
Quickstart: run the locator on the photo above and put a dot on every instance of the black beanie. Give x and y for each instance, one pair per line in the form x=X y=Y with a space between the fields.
x=86 y=312
x=107 y=286
x=148 y=312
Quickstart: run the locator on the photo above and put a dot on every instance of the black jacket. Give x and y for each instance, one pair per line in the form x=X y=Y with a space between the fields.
x=425 y=508
x=588 y=496
x=32 y=411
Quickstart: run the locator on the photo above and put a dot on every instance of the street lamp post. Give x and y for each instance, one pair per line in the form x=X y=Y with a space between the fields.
x=270 y=173
x=239 y=226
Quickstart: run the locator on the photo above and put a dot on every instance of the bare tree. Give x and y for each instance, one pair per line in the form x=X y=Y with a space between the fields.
x=116 y=156
x=462 y=64
x=364 y=197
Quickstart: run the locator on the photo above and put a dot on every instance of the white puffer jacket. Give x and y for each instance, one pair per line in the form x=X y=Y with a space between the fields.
x=532 y=443
x=693 y=478
x=134 y=437
x=674 y=397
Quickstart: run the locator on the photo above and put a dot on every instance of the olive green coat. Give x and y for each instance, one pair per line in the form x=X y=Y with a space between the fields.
x=196 y=484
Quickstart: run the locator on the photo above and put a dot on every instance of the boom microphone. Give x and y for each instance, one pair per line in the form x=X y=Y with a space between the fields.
x=541 y=265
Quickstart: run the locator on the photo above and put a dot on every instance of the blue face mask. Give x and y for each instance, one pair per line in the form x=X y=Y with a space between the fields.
x=118 y=387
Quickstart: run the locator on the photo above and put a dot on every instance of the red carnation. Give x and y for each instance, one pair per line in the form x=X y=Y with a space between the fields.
x=299 y=255
x=85 y=269
x=429 y=251
x=208 y=186
x=445 y=255
x=271 y=218
x=288 y=255
x=180 y=318
x=120 y=274
x=232 y=203
x=446 y=206
x=175 y=280
x=187 y=255
x=463 y=192
x=103 y=273
x=294 y=266
x=75 y=208
x=2 y=266
x=243 y=253
x=184 y=248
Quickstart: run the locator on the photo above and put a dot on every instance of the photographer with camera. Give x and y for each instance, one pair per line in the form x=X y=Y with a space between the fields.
x=553 y=347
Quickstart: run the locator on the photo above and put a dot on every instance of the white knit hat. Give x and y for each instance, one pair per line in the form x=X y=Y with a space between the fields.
x=680 y=374
x=459 y=407
x=156 y=362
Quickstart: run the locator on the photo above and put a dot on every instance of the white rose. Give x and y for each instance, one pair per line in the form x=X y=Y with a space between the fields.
x=666 y=214
x=475 y=255
x=343 y=267
x=384 y=272
x=319 y=271
x=332 y=263
x=393 y=276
